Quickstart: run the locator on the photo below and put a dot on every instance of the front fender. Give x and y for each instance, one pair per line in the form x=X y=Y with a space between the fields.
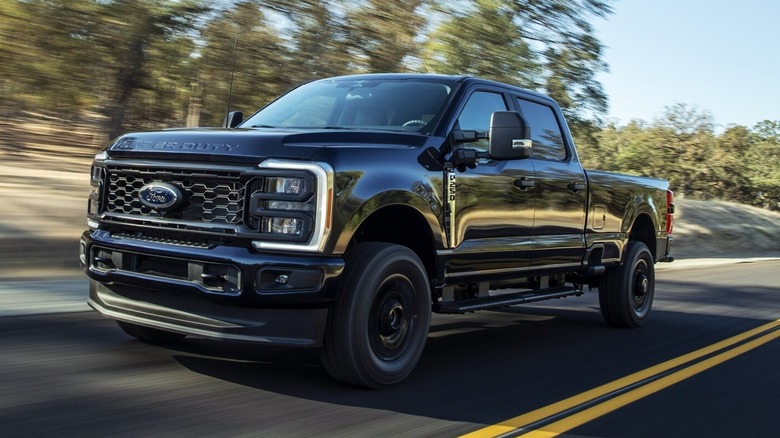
x=418 y=199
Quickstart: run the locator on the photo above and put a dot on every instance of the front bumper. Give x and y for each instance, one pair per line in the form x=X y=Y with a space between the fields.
x=220 y=291
x=194 y=316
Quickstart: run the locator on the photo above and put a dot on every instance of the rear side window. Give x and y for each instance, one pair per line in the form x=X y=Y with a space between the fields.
x=545 y=131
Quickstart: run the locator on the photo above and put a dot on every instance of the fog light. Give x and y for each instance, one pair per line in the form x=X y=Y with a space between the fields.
x=283 y=225
x=281 y=279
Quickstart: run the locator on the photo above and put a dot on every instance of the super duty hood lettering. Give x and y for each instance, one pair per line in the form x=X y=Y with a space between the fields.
x=133 y=143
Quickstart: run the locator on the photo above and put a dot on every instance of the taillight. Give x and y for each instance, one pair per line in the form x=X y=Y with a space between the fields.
x=669 y=211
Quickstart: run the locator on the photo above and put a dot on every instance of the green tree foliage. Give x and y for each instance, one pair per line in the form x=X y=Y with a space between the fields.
x=383 y=34
x=622 y=149
x=547 y=45
x=318 y=38
x=764 y=165
x=564 y=35
x=63 y=55
x=685 y=137
x=144 y=64
x=482 y=40
x=239 y=48
x=45 y=57
x=127 y=31
x=739 y=165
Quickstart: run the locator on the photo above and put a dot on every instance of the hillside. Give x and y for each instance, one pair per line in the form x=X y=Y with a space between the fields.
x=724 y=229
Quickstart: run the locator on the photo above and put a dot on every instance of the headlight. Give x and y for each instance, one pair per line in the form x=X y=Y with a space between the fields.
x=283 y=207
x=93 y=207
x=285 y=185
x=282 y=225
x=289 y=205
x=96 y=174
x=95 y=184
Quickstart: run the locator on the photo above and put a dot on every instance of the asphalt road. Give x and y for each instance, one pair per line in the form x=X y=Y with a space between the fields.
x=66 y=371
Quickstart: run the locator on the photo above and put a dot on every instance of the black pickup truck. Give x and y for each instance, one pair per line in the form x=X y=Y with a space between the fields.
x=341 y=215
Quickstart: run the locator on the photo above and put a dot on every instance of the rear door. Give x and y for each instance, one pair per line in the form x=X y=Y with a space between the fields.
x=561 y=188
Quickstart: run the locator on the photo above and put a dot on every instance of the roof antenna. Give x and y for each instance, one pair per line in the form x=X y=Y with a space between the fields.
x=232 y=119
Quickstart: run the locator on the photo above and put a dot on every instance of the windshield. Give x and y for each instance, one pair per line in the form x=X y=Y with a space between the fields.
x=384 y=104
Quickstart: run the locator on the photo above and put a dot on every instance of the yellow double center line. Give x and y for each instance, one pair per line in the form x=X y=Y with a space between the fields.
x=575 y=411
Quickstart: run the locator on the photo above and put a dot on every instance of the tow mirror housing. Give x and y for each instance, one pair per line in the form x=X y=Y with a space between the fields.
x=510 y=136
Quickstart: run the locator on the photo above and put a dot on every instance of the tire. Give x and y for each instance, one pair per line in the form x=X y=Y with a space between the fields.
x=148 y=334
x=378 y=326
x=626 y=293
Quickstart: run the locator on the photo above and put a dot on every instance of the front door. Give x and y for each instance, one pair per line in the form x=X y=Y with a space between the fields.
x=493 y=214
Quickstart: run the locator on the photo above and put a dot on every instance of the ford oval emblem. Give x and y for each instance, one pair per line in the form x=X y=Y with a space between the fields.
x=160 y=195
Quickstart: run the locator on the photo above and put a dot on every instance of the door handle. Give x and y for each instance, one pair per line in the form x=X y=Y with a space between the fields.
x=577 y=186
x=524 y=184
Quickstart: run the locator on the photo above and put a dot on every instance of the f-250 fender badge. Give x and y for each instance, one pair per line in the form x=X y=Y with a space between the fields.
x=160 y=196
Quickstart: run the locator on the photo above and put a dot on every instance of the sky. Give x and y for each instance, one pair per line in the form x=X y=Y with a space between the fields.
x=715 y=55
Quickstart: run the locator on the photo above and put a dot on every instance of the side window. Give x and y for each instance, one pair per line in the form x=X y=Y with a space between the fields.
x=476 y=114
x=545 y=131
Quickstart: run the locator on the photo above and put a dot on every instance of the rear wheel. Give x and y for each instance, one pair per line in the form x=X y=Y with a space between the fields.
x=626 y=293
x=379 y=324
x=148 y=334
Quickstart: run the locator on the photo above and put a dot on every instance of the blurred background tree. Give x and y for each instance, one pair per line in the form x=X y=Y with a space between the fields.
x=481 y=39
x=317 y=38
x=134 y=36
x=382 y=35
x=238 y=45
x=112 y=66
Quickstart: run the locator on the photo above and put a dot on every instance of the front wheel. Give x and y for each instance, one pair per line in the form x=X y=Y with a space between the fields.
x=626 y=293
x=379 y=324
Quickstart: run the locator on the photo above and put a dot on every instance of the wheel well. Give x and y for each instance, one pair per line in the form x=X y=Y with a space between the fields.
x=400 y=225
x=643 y=231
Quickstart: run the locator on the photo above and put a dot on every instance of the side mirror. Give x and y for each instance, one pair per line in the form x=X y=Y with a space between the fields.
x=510 y=136
x=233 y=119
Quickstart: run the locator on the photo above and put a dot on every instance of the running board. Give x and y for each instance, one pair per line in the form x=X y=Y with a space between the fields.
x=491 y=302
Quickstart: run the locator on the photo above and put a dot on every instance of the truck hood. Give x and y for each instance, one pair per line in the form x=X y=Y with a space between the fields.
x=254 y=145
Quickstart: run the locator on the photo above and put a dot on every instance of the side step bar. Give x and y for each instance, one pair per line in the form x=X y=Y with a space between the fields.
x=470 y=305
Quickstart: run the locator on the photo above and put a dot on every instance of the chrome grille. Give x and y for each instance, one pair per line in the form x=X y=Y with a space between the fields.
x=211 y=196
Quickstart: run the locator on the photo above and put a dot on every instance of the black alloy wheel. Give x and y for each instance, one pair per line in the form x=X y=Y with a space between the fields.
x=626 y=293
x=378 y=326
